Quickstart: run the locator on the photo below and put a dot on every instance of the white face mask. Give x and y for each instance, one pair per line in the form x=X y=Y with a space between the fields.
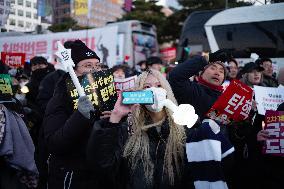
x=160 y=95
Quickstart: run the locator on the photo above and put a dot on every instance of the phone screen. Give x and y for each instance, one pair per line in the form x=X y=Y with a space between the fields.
x=138 y=97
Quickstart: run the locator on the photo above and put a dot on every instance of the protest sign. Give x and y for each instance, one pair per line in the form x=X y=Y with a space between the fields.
x=13 y=60
x=125 y=84
x=5 y=87
x=274 y=124
x=233 y=105
x=98 y=86
x=268 y=98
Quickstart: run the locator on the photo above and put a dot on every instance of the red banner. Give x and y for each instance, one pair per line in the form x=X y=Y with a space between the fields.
x=13 y=60
x=274 y=124
x=233 y=105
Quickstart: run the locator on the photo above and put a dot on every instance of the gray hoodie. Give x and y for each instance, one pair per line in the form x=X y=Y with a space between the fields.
x=17 y=147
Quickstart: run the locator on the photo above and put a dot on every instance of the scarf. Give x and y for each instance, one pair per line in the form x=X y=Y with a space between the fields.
x=211 y=86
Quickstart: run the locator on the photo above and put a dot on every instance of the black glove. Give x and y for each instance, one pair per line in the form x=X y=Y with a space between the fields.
x=85 y=106
x=222 y=55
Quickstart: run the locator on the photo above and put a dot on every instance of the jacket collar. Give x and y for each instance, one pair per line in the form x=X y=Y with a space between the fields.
x=209 y=85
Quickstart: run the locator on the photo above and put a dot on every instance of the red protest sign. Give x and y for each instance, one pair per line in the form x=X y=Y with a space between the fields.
x=233 y=105
x=13 y=60
x=125 y=84
x=274 y=124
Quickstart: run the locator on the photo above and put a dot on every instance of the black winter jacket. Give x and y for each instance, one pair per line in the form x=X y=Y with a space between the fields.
x=66 y=134
x=46 y=88
x=45 y=93
x=199 y=96
x=270 y=81
x=105 y=151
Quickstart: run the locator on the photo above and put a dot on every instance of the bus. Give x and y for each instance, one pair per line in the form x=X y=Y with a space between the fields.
x=193 y=34
x=137 y=41
x=243 y=30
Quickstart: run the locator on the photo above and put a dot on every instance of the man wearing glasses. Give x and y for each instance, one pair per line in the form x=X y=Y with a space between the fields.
x=66 y=131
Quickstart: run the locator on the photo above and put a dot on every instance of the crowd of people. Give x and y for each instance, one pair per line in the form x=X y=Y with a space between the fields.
x=135 y=146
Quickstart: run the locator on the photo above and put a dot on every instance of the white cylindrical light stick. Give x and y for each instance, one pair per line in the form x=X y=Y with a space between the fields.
x=76 y=82
x=169 y=104
x=183 y=114
x=68 y=64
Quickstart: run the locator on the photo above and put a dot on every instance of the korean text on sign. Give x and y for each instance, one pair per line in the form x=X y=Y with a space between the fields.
x=31 y=48
x=99 y=87
x=268 y=98
x=5 y=85
x=125 y=84
x=274 y=124
x=13 y=60
x=234 y=104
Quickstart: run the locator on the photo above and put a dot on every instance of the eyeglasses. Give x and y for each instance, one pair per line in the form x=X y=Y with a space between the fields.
x=91 y=65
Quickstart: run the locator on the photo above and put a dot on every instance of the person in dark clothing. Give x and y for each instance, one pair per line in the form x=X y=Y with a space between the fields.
x=46 y=88
x=40 y=68
x=202 y=95
x=271 y=166
x=268 y=79
x=46 y=91
x=243 y=137
x=148 y=152
x=3 y=68
x=66 y=131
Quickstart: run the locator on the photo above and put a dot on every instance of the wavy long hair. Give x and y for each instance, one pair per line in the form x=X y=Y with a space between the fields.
x=137 y=147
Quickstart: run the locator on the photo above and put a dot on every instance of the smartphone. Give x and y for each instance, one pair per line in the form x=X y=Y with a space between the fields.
x=138 y=97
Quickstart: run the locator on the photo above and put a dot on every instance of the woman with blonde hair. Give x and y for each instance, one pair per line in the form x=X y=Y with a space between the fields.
x=149 y=150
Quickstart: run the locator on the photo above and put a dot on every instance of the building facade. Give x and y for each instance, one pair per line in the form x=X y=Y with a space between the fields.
x=5 y=7
x=61 y=10
x=23 y=16
x=102 y=11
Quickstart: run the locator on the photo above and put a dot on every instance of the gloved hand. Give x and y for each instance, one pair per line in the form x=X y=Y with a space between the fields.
x=221 y=55
x=85 y=106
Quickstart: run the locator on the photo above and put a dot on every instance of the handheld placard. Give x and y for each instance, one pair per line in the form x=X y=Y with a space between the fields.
x=68 y=64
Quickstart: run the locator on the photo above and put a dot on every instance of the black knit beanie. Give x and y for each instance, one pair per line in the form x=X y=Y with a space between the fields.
x=38 y=60
x=79 y=51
